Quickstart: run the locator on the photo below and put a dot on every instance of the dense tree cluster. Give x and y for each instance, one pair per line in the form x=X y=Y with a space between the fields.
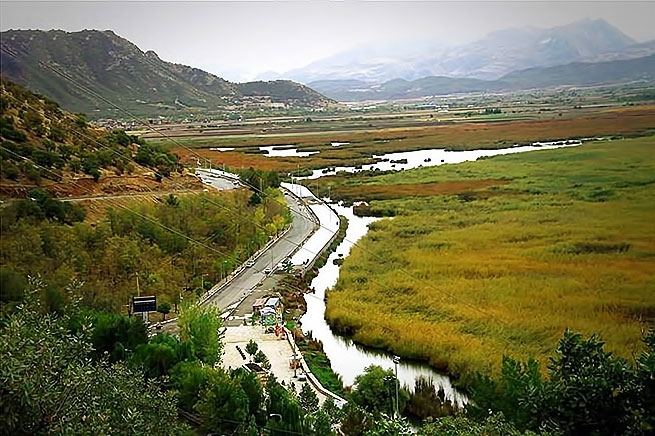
x=259 y=181
x=77 y=371
x=51 y=384
x=154 y=243
x=587 y=391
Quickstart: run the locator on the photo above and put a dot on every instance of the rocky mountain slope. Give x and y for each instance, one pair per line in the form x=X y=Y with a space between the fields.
x=44 y=146
x=84 y=70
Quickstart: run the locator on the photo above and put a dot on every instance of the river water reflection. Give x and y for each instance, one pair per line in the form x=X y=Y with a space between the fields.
x=347 y=359
x=437 y=156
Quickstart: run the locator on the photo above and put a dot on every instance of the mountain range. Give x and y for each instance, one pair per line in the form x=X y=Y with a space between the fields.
x=490 y=58
x=97 y=72
x=94 y=71
x=573 y=74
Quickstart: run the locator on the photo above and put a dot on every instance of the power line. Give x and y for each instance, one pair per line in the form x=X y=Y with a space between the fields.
x=354 y=243
x=145 y=217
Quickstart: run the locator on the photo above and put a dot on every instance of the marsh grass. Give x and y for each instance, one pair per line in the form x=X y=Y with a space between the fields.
x=566 y=241
x=380 y=138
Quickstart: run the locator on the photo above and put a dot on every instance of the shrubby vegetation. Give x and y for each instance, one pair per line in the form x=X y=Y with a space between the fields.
x=49 y=384
x=35 y=128
x=587 y=390
x=77 y=371
x=45 y=236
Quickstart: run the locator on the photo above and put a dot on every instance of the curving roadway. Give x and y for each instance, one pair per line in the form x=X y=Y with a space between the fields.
x=301 y=228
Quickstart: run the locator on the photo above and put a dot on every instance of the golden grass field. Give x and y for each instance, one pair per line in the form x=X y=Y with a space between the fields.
x=531 y=244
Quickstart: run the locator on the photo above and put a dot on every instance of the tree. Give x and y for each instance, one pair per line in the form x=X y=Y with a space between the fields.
x=253 y=390
x=590 y=391
x=162 y=353
x=426 y=401
x=281 y=403
x=321 y=424
x=113 y=334
x=189 y=379
x=587 y=391
x=252 y=348
x=164 y=308
x=223 y=405
x=390 y=427
x=332 y=411
x=493 y=425
x=308 y=399
x=507 y=395
x=200 y=325
x=375 y=391
x=49 y=385
x=356 y=421
x=260 y=357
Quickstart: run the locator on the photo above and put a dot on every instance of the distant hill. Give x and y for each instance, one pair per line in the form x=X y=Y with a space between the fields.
x=114 y=68
x=489 y=58
x=574 y=74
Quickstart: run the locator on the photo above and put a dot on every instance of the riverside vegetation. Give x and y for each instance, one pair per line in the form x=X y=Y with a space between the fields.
x=551 y=240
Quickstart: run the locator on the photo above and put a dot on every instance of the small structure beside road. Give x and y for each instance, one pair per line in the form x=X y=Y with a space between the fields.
x=258 y=305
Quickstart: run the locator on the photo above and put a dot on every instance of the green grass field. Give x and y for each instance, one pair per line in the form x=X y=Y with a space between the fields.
x=553 y=239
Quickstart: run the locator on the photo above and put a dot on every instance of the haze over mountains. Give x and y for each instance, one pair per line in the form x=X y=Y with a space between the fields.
x=490 y=58
x=575 y=74
x=101 y=63
x=105 y=67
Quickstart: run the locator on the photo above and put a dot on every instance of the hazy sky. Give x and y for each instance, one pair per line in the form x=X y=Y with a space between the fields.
x=239 y=39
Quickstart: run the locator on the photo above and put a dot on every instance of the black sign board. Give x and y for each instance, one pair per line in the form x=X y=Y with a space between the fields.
x=144 y=304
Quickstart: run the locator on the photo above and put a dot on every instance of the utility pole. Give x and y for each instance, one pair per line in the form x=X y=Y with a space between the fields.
x=138 y=291
x=396 y=360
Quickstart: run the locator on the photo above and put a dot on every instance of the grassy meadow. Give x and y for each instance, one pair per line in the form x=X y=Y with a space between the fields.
x=508 y=253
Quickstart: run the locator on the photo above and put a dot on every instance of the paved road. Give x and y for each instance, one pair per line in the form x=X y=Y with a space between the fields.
x=301 y=228
x=220 y=183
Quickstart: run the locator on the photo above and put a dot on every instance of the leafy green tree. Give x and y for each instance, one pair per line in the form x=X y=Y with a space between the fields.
x=375 y=391
x=308 y=399
x=332 y=411
x=12 y=284
x=162 y=353
x=253 y=390
x=281 y=403
x=356 y=421
x=113 y=334
x=390 y=427
x=200 y=325
x=189 y=379
x=164 y=308
x=321 y=424
x=507 y=395
x=260 y=357
x=587 y=391
x=223 y=405
x=425 y=401
x=645 y=394
x=252 y=348
x=493 y=425
x=49 y=385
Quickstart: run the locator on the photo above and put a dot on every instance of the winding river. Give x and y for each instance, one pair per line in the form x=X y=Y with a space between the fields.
x=348 y=359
